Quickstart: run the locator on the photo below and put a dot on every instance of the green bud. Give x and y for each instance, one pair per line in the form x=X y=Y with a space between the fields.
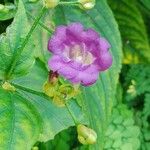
x=7 y=86
x=87 y=4
x=35 y=148
x=2 y=7
x=7 y=7
x=51 y=3
x=86 y=135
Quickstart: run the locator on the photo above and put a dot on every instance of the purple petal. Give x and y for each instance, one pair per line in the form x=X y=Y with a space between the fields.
x=90 y=35
x=105 y=61
x=104 y=45
x=76 y=65
x=74 y=32
x=89 y=79
x=68 y=72
x=75 y=28
x=55 y=63
x=85 y=78
x=56 y=43
x=61 y=32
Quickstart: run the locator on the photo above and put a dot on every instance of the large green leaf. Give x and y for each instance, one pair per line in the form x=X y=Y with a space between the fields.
x=28 y=115
x=133 y=31
x=11 y=42
x=98 y=99
x=54 y=118
x=20 y=123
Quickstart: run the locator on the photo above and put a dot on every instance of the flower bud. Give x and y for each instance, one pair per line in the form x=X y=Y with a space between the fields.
x=51 y=3
x=86 y=135
x=7 y=86
x=7 y=7
x=87 y=4
x=35 y=148
x=53 y=77
x=49 y=89
x=2 y=7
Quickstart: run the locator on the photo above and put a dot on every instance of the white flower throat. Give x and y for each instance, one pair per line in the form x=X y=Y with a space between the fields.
x=79 y=54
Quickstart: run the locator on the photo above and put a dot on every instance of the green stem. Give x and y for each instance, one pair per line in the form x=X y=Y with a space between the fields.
x=71 y=114
x=41 y=24
x=19 y=51
x=69 y=3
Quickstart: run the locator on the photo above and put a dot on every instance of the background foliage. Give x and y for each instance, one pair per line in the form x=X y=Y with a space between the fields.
x=117 y=107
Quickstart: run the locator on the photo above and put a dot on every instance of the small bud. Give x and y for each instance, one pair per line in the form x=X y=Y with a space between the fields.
x=86 y=135
x=87 y=4
x=51 y=3
x=35 y=148
x=59 y=100
x=53 y=77
x=7 y=86
x=2 y=7
x=49 y=89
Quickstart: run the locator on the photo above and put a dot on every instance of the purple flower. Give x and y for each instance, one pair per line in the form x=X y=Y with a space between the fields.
x=79 y=55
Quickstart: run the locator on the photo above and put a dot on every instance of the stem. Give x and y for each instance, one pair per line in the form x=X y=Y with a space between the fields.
x=69 y=3
x=41 y=24
x=71 y=114
x=19 y=51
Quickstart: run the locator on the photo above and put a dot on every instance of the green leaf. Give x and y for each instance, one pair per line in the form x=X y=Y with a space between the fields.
x=97 y=99
x=120 y=134
x=146 y=3
x=54 y=119
x=7 y=12
x=11 y=42
x=133 y=31
x=20 y=123
x=35 y=79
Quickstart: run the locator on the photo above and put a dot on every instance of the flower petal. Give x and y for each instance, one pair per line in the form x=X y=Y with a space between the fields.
x=75 y=28
x=85 y=78
x=61 y=32
x=74 y=32
x=68 y=71
x=103 y=44
x=90 y=35
x=55 y=63
x=105 y=61
x=56 y=43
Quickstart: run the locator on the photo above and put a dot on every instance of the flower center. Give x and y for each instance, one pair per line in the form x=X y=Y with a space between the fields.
x=79 y=54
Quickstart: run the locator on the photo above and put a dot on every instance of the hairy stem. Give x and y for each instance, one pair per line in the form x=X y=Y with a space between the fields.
x=19 y=51
x=71 y=113
x=50 y=31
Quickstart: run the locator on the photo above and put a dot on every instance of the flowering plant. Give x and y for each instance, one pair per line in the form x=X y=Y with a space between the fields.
x=61 y=83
